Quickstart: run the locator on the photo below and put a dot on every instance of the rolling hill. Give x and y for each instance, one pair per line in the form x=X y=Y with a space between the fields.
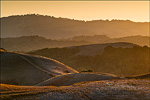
x=83 y=50
x=57 y=28
x=70 y=79
x=137 y=39
x=97 y=49
x=30 y=43
x=121 y=59
x=23 y=69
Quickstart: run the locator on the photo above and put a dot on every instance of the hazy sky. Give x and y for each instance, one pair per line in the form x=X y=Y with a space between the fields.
x=82 y=10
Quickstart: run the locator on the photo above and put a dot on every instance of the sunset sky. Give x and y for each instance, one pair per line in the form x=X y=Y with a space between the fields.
x=82 y=10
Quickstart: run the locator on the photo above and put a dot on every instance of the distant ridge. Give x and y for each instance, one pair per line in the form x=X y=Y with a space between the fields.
x=56 y=28
x=34 y=42
x=30 y=43
x=137 y=39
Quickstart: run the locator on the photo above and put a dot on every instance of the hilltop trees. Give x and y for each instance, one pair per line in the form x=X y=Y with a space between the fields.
x=119 y=61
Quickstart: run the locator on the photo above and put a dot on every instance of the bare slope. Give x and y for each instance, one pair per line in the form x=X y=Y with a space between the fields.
x=21 y=69
x=99 y=90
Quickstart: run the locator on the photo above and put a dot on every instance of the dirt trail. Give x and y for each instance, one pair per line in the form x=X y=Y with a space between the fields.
x=35 y=65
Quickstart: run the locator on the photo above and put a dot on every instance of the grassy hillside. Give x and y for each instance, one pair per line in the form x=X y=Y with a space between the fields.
x=70 y=79
x=21 y=69
x=127 y=89
x=56 y=28
x=122 y=59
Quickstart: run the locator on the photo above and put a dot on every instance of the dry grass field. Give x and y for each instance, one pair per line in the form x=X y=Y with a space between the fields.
x=116 y=89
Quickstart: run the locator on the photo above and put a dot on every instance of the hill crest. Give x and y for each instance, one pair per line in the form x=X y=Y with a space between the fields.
x=25 y=69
